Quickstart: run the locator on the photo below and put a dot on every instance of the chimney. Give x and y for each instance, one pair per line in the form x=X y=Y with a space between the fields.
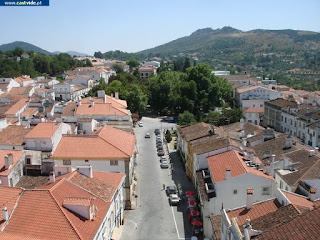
x=116 y=95
x=311 y=153
x=272 y=165
x=105 y=99
x=52 y=177
x=313 y=192
x=251 y=156
x=267 y=169
x=242 y=134
x=228 y=172
x=8 y=160
x=316 y=150
x=5 y=214
x=112 y=95
x=85 y=170
x=79 y=103
x=249 y=198
x=288 y=142
x=92 y=103
x=241 y=124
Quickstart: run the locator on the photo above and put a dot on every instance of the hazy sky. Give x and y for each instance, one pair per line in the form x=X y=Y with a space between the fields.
x=133 y=25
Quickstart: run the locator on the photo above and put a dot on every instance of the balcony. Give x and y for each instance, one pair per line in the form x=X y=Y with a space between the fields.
x=206 y=176
x=211 y=192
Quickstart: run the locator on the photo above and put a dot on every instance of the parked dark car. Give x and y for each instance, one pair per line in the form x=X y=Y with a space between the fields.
x=157 y=131
x=171 y=190
x=160 y=148
x=161 y=153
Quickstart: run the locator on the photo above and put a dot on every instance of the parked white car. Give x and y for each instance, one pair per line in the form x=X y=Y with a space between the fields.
x=140 y=124
x=174 y=199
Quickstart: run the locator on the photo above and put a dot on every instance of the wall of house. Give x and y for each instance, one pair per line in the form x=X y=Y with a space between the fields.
x=289 y=123
x=281 y=183
x=3 y=123
x=252 y=103
x=225 y=191
x=252 y=117
x=39 y=144
x=16 y=173
x=63 y=129
x=314 y=183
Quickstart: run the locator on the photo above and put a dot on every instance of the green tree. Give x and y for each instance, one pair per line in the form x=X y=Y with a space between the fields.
x=41 y=63
x=137 y=99
x=27 y=67
x=186 y=118
x=118 y=68
x=98 y=55
x=213 y=117
x=168 y=136
x=132 y=62
x=186 y=64
x=17 y=52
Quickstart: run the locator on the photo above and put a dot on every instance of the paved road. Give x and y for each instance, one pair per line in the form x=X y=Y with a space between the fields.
x=154 y=218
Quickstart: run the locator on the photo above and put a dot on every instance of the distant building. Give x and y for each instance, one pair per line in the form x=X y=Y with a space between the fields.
x=147 y=71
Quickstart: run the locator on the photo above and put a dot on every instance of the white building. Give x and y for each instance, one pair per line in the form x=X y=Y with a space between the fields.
x=229 y=173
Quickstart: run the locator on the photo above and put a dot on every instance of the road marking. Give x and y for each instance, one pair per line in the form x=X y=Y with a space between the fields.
x=135 y=224
x=175 y=223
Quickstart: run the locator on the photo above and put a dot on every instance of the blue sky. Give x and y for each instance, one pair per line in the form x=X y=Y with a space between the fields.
x=133 y=25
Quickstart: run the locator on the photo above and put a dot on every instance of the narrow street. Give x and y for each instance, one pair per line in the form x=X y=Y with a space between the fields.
x=153 y=217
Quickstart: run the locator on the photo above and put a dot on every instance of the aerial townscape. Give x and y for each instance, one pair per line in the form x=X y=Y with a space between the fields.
x=212 y=136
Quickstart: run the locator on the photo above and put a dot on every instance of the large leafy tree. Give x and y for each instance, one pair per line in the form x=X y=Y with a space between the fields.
x=137 y=100
x=186 y=118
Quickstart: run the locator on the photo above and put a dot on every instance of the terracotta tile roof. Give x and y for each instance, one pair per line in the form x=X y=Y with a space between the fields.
x=242 y=90
x=301 y=202
x=218 y=164
x=29 y=112
x=16 y=157
x=304 y=226
x=12 y=120
x=254 y=110
x=258 y=209
x=100 y=109
x=108 y=143
x=209 y=144
x=22 y=79
x=46 y=221
x=21 y=90
x=78 y=87
x=13 y=135
x=274 y=146
x=305 y=163
x=233 y=129
x=43 y=130
x=195 y=131
x=70 y=109
x=103 y=184
x=8 y=198
x=254 y=138
x=4 y=86
x=17 y=106
x=274 y=218
x=280 y=102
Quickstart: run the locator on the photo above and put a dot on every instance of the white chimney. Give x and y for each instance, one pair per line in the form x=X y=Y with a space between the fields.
x=92 y=103
x=249 y=198
x=241 y=124
x=116 y=95
x=268 y=169
x=105 y=99
x=8 y=160
x=251 y=156
x=313 y=192
x=242 y=134
x=311 y=152
x=5 y=214
x=272 y=165
x=288 y=142
x=112 y=95
x=316 y=150
x=228 y=173
x=52 y=177
x=85 y=170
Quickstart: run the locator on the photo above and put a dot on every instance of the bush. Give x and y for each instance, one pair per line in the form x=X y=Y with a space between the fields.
x=168 y=136
x=175 y=145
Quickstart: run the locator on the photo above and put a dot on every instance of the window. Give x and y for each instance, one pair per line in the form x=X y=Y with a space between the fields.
x=235 y=191
x=86 y=160
x=114 y=163
x=66 y=162
x=261 y=105
x=265 y=191
x=28 y=159
x=287 y=188
x=281 y=184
